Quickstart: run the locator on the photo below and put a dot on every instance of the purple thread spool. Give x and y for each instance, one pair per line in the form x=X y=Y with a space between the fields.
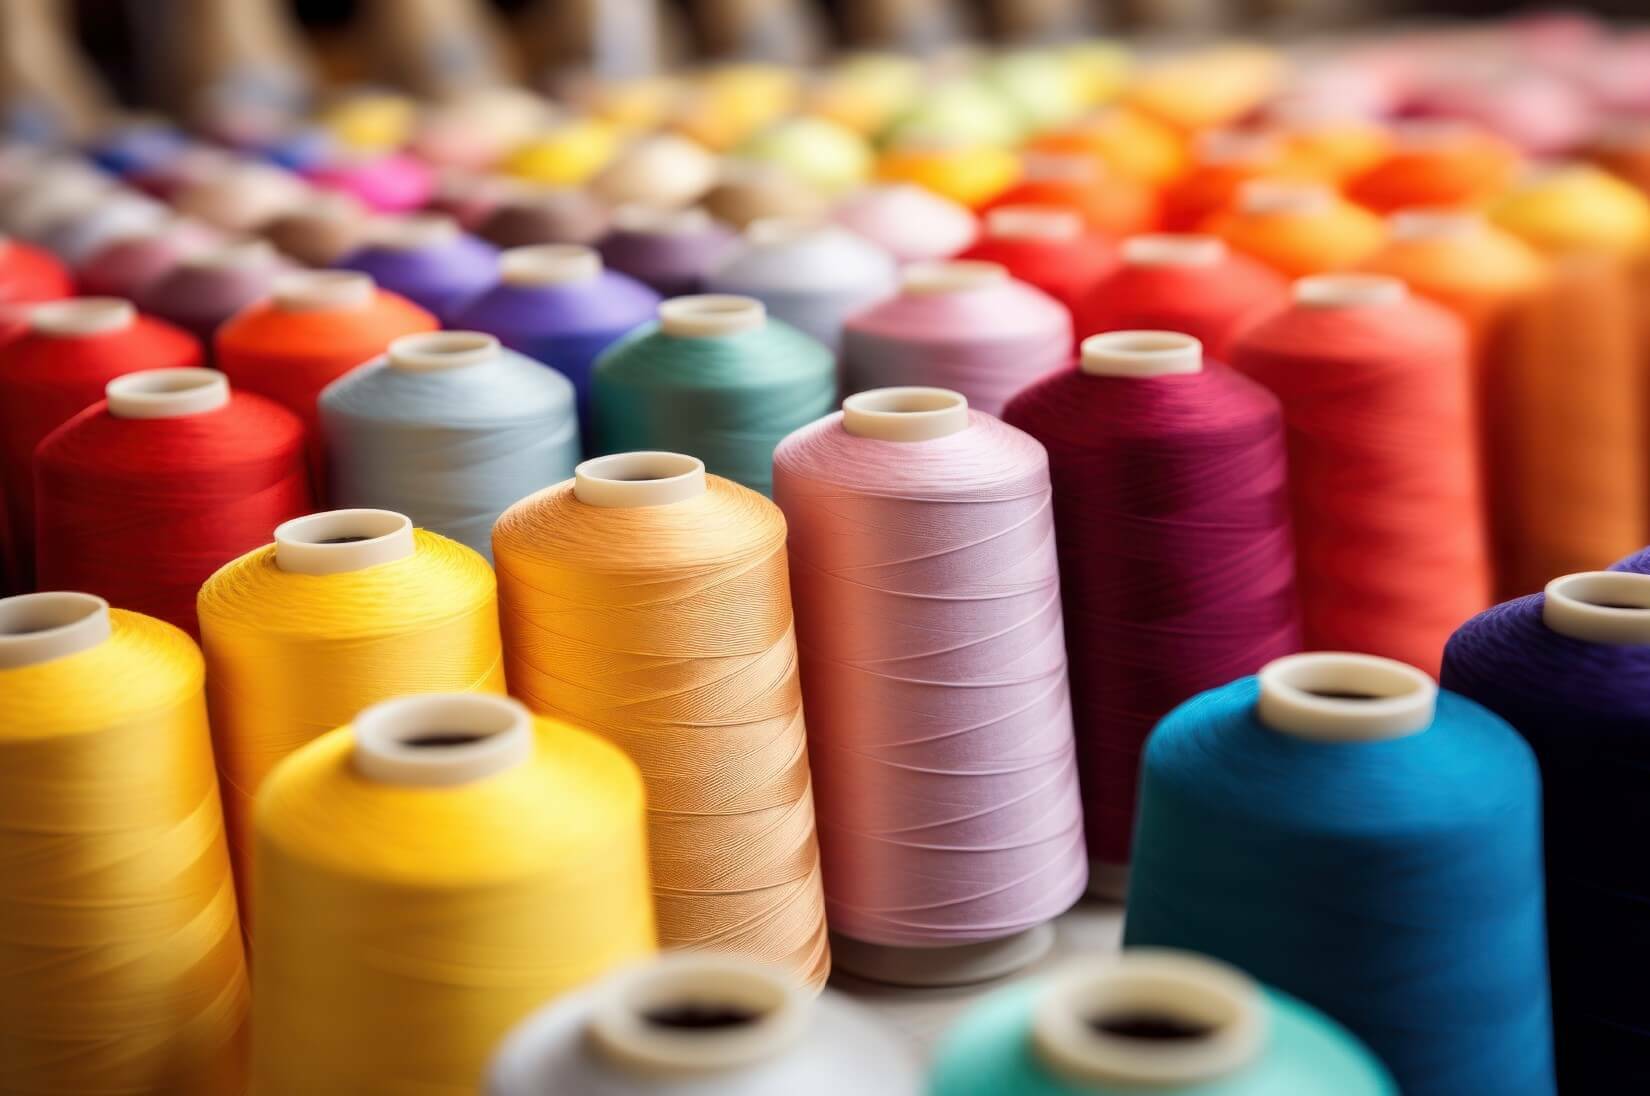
x=204 y=290
x=427 y=259
x=670 y=250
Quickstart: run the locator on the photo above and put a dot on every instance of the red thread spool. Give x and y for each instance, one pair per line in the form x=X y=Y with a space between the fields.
x=1439 y=164
x=1110 y=203
x=140 y=498
x=1048 y=248
x=1194 y=285
x=1171 y=512
x=316 y=327
x=29 y=274
x=57 y=368
x=1390 y=543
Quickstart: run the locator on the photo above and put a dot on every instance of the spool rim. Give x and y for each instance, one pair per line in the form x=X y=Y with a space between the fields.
x=414 y=232
x=237 y=255
x=1033 y=222
x=492 y=734
x=53 y=624
x=1599 y=607
x=323 y=291
x=1341 y=696
x=708 y=315
x=1059 y=167
x=1428 y=223
x=652 y=221
x=1191 y=989
x=1140 y=354
x=777 y=231
x=167 y=393
x=642 y=478
x=1285 y=198
x=621 y=1031
x=941 y=276
x=549 y=264
x=1174 y=249
x=1349 y=291
x=432 y=351
x=905 y=413
x=78 y=317
x=325 y=543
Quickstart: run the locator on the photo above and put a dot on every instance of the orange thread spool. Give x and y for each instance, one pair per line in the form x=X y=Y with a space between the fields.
x=1109 y=203
x=1130 y=143
x=1443 y=164
x=1224 y=160
x=1298 y=228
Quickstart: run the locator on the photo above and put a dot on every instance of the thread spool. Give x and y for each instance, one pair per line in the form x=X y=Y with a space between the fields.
x=1203 y=89
x=1344 y=773
x=1047 y=248
x=908 y=222
x=346 y=608
x=385 y=183
x=1187 y=283
x=970 y=174
x=546 y=217
x=1390 y=542
x=812 y=276
x=963 y=325
x=1223 y=162
x=445 y=864
x=1559 y=666
x=113 y=838
x=716 y=377
x=126 y=266
x=240 y=196
x=77 y=236
x=1622 y=147
x=557 y=304
x=1110 y=204
x=747 y=193
x=939 y=725
x=1440 y=164
x=671 y=251
x=315 y=327
x=567 y=155
x=141 y=497
x=687 y=1025
x=649 y=603
x=426 y=259
x=1160 y=461
x=136 y=145
x=450 y=429
x=1154 y=1019
x=665 y=170
x=1299 y=229
x=958 y=109
x=470 y=198
x=825 y=155
x=321 y=231
x=1127 y=141
x=205 y=290
x=55 y=368
x=58 y=189
x=1540 y=113
x=30 y=274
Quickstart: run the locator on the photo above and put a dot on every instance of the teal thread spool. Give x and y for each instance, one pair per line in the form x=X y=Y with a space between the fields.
x=716 y=378
x=1151 y=1023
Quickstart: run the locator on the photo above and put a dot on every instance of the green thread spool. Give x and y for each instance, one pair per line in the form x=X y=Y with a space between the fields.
x=715 y=378
x=1152 y=1023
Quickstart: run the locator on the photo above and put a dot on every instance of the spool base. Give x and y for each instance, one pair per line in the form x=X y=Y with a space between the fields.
x=946 y=966
x=1108 y=881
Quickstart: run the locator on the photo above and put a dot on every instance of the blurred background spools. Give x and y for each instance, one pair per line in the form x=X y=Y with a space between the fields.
x=1436 y=163
x=205 y=289
x=344 y=609
x=321 y=230
x=450 y=429
x=1298 y=228
x=716 y=377
x=964 y=325
x=924 y=574
x=140 y=497
x=1560 y=667
x=1047 y=247
x=124 y=267
x=442 y=866
x=648 y=602
x=908 y=222
x=29 y=274
x=670 y=250
x=544 y=217
x=1155 y=1020
x=426 y=258
x=1161 y=463
x=1391 y=552
x=1310 y=828
x=688 y=1025
x=112 y=836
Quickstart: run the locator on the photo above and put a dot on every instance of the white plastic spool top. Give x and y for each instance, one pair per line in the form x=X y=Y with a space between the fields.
x=909 y=413
x=650 y=220
x=1337 y=696
x=1599 y=607
x=79 y=317
x=412 y=233
x=646 y=478
x=1276 y=197
x=1140 y=354
x=37 y=628
x=429 y=351
x=438 y=739
x=549 y=264
x=708 y=315
x=1173 y=249
x=952 y=276
x=335 y=542
x=167 y=393
x=240 y=255
x=1349 y=291
x=1435 y=224
x=1033 y=222
x=323 y=291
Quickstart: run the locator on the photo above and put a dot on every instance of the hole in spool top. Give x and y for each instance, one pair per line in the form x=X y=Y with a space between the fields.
x=1150 y=1026
x=440 y=739
x=701 y=1015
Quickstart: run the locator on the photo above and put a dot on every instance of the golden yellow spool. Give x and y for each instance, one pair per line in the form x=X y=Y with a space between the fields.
x=345 y=609
x=121 y=966
x=428 y=876
x=567 y=155
x=968 y=174
x=650 y=603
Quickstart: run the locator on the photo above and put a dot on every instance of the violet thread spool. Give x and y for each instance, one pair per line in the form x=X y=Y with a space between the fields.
x=426 y=258
x=670 y=250
x=204 y=290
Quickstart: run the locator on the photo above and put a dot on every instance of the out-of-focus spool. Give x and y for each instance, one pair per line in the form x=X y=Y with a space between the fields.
x=241 y=196
x=669 y=250
x=649 y=602
x=968 y=326
x=71 y=349
x=344 y=609
x=1128 y=142
x=746 y=193
x=1541 y=113
x=75 y=237
x=555 y=216
x=908 y=222
x=426 y=258
x=1206 y=88
x=1391 y=551
x=969 y=174
x=126 y=266
x=386 y=183
x=1223 y=161
x=568 y=155
x=812 y=276
x=1153 y=1020
x=112 y=836
x=206 y=289
x=1111 y=204
x=694 y=1025
x=1439 y=164
x=715 y=376
x=321 y=231
x=935 y=681
x=450 y=429
x=51 y=191
x=1347 y=771
x=1046 y=247
x=443 y=865
x=179 y=472
x=1299 y=229
x=1623 y=149
x=30 y=274
x=1160 y=461
x=823 y=154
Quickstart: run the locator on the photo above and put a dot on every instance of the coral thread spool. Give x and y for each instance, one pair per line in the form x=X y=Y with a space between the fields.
x=1298 y=228
x=427 y=259
x=1045 y=247
x=1436 y=164
x=30 y=274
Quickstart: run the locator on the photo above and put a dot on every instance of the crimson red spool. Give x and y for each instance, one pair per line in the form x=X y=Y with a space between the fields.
x=1171 y=512
x=29 y=274
x=140 y=497
x=1195 y=285
x=55 y=369
x=1048 y=248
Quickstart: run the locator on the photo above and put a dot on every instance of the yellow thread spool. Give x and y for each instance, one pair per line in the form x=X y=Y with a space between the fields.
x=121 y=968
x=346 y=608
x=650 y=603
x=428 y=876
